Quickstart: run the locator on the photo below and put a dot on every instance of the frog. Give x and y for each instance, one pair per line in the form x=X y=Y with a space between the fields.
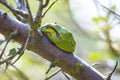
x=60 y=36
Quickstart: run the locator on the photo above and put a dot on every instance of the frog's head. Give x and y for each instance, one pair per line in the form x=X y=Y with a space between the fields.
x=48 y=29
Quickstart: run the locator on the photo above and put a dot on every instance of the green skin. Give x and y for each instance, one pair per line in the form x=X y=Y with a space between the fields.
x=60 y=36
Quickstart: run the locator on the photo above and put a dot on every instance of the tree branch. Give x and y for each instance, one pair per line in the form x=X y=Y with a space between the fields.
x=30 y=18
x=48 y=8
x=69 y=63
x=10 y=8
x=39 y=13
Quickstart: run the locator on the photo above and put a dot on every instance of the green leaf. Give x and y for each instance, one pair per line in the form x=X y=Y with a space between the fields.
x=98 y=56
x=113 y=7
x=95 y=20
x=12 y=52
x=101 y=18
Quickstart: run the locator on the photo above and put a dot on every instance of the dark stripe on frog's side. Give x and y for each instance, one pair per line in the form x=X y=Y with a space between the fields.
x=57 y=34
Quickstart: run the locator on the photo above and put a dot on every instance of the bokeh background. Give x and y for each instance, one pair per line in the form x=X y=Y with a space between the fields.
x=95 y=31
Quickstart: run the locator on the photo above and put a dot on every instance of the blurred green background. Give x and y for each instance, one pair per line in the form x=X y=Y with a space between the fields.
x=88 y=23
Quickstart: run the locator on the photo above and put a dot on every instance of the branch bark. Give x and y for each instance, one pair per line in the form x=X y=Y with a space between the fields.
x=69 y=63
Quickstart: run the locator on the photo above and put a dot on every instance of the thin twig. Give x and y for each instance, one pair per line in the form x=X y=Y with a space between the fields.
x=39 y=13
x=110 y=75
x=53 y=75
x=23 y=76
x=30 y=18
x=22 y=13
x=49 y=8
x=1 y=41
x=12 y=34
x=15 y=12
x=66 y=76
x=96 y=5
x=46 y=3
x=53 y=65
x=21 y=51
x=111 y=11
x=50 y=67
x=10 y=8
x=6 y=60
x=20 y=4
x=95 y=64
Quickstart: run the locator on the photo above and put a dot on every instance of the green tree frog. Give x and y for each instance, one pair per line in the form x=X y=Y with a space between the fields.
x=60 y=36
